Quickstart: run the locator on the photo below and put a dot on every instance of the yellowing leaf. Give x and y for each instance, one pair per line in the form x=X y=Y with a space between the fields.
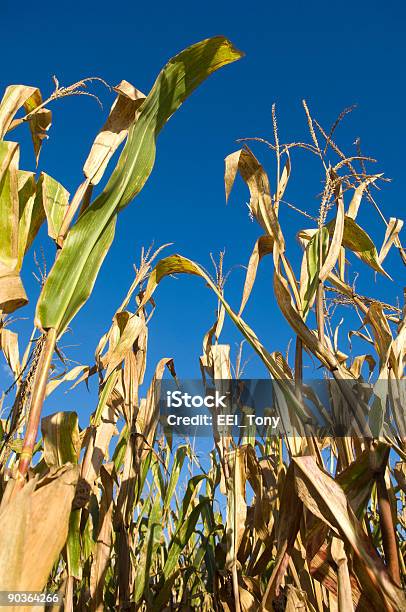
x=16 y=97
x=40 y=121
x=358 y=241
x=12 y=294
x=55 y=199
x=60 y=432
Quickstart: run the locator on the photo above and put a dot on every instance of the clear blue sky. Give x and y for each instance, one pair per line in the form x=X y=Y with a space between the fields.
x=332 y=54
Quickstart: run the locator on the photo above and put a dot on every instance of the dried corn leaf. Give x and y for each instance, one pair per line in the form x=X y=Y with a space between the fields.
x=106 y=428
x=69 y=376
x=309 y=338
x=9 y=346
x=382 y=332
x=358 y=193
x=344 y=584
x=283 y=182
x=16 y=97
x=263 y=246
x=60 y=432
x=337 y=238
x=236 y=503
x=13 y=99
x=178 y=264
x=391 y=235
x=245 y=162
x=35 y=523
x=289 y=518
x=324 y=498
x=297 y=600
x=122 y=115
x=148 y=414
x=133 y=326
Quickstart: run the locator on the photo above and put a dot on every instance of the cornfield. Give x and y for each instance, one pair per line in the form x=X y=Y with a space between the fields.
x=123 y=515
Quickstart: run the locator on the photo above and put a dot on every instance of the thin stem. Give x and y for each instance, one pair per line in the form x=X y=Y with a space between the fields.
x=387 y=527
x=299 y=362
x=37 y=400
x=345 y=603
x=320 y=311
x=68 y=602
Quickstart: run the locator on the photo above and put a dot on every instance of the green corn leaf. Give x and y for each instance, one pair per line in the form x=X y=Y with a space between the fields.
x=74 y=545
x=150 y=546
x=120 y=448
x=192 y=491
x=181 y=537
x=145 y=467
x=165 y=593
x=74 y=273
x=311 y=266
x=158 y=476
x=175 y=471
